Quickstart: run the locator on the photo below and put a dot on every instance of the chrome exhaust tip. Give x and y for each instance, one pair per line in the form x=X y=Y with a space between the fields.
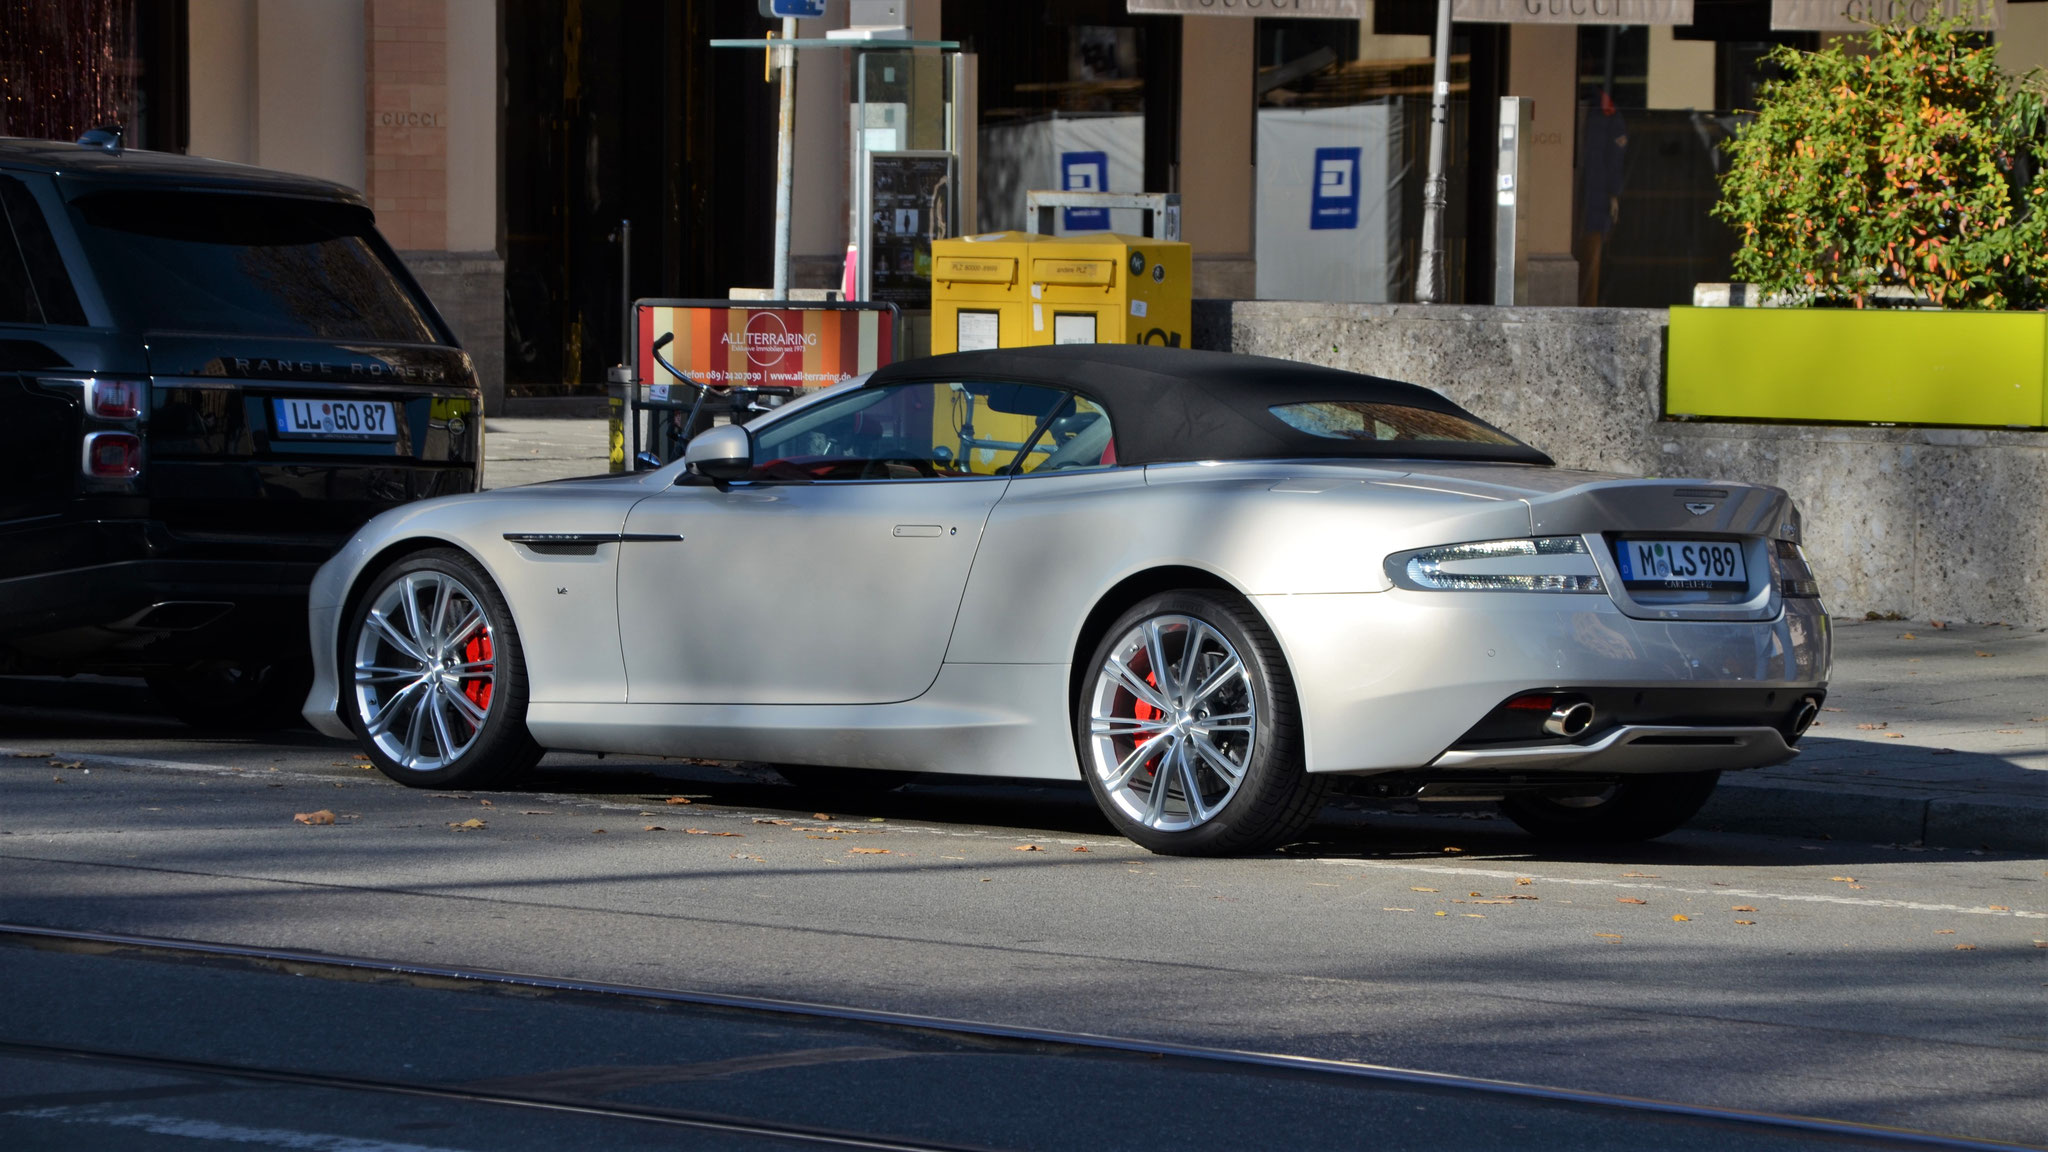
x=1569 y=720
x=1809 y=711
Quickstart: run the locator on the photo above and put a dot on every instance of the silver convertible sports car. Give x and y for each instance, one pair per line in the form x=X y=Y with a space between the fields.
x=1208 y=585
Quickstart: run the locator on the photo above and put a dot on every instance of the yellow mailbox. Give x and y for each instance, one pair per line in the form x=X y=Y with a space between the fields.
x=1108 y=288
x=979 y=295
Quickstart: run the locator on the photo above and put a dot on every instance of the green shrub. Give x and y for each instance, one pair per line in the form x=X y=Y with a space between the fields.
x=1918 y=165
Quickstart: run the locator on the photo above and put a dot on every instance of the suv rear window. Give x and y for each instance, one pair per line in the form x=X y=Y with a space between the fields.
x=247 y=265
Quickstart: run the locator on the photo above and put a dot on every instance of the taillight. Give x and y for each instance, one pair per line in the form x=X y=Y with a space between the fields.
x=113 y=455
x=1795 y=576
x=114 y=399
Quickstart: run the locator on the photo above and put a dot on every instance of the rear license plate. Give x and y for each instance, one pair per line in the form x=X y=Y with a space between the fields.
x=1681 y=563
x=335 y=419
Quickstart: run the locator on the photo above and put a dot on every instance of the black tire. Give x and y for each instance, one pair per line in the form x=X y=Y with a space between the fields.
x=487 y=754
x=1637 y=808
x=245 y=694
x=1273 y=799
x=869 y=780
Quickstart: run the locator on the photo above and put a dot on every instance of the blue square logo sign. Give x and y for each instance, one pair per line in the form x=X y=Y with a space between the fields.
x=1333 y=200
x=1086 y=172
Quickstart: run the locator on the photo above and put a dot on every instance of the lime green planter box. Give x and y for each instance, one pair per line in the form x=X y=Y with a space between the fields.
x=1845 y=366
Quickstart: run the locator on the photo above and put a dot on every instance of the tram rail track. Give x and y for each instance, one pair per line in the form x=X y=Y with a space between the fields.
x=354 y=968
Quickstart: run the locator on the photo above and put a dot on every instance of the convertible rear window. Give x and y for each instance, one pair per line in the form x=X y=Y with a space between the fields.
x=1369 y=420
x=248 y=265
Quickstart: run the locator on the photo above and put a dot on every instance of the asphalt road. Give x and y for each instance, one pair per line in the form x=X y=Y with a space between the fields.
x=1875 y=984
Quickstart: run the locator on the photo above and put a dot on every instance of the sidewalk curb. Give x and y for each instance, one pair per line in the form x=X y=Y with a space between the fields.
x=1878 y=815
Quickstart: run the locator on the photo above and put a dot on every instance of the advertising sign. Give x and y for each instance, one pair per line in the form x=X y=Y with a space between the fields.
x=1342 y=9
x=1333 y=203
x=909 y=202
x=1572 y=11
x=1085 y=172
x=775 y=344
x=1859 y=15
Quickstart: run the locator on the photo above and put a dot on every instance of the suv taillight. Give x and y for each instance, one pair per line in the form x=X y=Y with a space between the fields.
x=113 y=455
x=114 y=399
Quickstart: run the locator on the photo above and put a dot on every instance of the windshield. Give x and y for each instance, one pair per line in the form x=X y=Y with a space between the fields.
x=247 y=265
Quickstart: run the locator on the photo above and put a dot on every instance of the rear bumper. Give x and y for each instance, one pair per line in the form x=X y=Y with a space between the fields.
x=1393 y=681
x=81 y=594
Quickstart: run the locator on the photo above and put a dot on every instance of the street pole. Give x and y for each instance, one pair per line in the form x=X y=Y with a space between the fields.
x=785 y=159
x=1429 y=278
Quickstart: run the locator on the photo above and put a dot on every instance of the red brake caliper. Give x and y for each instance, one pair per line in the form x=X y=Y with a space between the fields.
x=1145 y=712
x=478 y=651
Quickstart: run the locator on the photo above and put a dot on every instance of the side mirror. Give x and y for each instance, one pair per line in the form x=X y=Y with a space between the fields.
x=722 y=453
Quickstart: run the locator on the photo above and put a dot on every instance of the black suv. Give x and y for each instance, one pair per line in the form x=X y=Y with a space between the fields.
x=210 y=376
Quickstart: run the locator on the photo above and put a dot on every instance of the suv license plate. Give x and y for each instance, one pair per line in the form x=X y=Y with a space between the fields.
x=336 y=419
x=1682 y=563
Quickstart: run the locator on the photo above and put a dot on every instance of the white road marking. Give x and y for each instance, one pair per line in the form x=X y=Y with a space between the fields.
x=1745 y=893
x=208 y=1130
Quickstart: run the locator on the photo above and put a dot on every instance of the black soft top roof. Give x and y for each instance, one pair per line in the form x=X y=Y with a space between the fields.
x=96 y=168
x=1175 y=404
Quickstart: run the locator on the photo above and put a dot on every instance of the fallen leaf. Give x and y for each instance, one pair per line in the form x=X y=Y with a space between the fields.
x=1523 y=880
x=876 y=820
x=815 y=836
x=1084 y=848
x=986 y=879
x=1641 y=875
x=1843 y=879
x=2010 y=731
x=535 y=812
x=1998 y=907
x=1608 y=935
x=597 y=832
x=1986 y=654
x=677 y=800
x=1629 y=900
x=1895 y=735
x=748 y=856
x=1966 y=947
x=1473 y=915
x=1475 y=893
x=1454 y=849
x=867 y=851
x=1397 y=909
x=1875 y=727
x=1745 y=921
x=56 y=779
x=1831 y=709
x=1027 y=848
x=1944 y=931
x=472 y=822
x=67 y=763
x=1422 y=889
x=1742 y=908
x=709 y=832
x=782 y=823
x=323 y=816
x=2041 y=943
x=30 y=755
x=1440 y=913
x=1908 y=636
x=1681 y=917
x=654 y=828
x=1938 y=623
x=360 y=755
x=821 y=816
x=487 y=804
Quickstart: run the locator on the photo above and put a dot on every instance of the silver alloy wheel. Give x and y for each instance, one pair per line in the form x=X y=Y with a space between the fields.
x=424 y=674
x=1171 y=723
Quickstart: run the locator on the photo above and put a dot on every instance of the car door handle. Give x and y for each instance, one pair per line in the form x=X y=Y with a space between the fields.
x=919 y=530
